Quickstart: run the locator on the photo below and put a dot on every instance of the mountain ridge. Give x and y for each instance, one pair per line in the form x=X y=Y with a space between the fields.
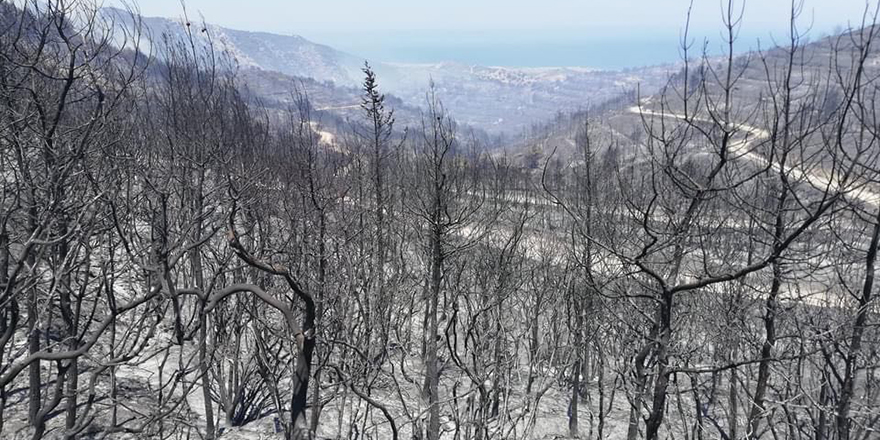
x=493 y=98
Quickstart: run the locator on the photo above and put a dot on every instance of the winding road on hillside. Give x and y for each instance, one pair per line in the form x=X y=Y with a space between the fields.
x=341 y=107
x=818 y=180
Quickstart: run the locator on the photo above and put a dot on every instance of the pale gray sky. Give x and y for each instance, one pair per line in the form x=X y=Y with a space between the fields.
x=296 y=16
x=596 y=33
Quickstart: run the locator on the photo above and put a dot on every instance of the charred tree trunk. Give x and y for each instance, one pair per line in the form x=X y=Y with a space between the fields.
x=574 y=399
x=431 y=387
x=844 y=401
x=35 y=382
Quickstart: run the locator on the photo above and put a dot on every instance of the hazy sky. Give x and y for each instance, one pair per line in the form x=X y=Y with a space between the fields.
x=535 y=32
x=345 y=15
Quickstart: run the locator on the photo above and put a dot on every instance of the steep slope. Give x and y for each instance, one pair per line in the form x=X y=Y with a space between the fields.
x=820 y=80
x=266 y=62
x=289 y=54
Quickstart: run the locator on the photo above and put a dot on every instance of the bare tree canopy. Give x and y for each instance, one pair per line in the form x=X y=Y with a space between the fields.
x=181 y=257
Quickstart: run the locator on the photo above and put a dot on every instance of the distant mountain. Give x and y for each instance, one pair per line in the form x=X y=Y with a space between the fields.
x=495 y=99
x=289 y=54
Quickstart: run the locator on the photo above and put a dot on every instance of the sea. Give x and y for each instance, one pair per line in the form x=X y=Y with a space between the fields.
x=523 y=48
